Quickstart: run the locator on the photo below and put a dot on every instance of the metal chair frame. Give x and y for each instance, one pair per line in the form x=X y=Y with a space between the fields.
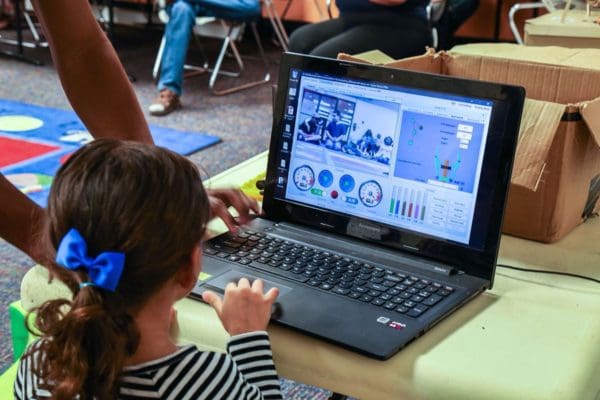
x=547 y=4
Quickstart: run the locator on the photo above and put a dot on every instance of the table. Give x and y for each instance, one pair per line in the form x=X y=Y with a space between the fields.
x=532 y=336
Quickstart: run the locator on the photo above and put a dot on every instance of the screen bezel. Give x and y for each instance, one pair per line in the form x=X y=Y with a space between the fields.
x=495 y=176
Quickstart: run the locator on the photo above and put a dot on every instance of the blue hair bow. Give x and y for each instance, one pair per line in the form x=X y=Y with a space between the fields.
x=104 y=270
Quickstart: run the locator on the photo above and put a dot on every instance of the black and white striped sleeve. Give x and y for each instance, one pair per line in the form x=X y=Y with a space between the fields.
x=26 y=383
x=252 y=355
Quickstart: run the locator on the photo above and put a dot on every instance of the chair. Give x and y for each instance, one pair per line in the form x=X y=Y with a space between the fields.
x=229 y=32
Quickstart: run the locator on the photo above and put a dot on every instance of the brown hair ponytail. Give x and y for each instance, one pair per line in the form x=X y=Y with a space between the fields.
x=141 y=200
x=78 y=342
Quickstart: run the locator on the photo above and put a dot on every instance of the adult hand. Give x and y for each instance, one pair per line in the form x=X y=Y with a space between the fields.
x=244 y=307
x=388 y=2
x=221 y=199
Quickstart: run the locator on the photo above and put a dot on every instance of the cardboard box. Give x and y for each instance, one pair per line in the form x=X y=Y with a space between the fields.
x=576 y=31
x=556 y=175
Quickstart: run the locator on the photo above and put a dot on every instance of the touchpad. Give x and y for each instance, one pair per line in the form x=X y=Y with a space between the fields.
x=219 y=283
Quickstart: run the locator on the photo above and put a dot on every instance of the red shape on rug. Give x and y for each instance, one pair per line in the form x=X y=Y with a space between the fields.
x=13 y=151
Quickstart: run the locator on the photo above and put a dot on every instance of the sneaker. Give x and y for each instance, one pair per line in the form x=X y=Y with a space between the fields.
x=166 y=102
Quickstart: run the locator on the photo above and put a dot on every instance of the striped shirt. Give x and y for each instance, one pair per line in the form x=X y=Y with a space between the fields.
x=246 y=372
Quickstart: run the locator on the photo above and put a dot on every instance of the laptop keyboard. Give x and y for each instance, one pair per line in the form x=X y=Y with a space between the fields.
x=405 y=293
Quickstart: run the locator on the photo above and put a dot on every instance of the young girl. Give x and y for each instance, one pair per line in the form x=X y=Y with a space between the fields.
x=127 y=221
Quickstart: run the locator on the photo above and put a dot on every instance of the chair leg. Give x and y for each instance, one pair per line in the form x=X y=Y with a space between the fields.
x=277 y=25
x=228 y=42
x=158 y=60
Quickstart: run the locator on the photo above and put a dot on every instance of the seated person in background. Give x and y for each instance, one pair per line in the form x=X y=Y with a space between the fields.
x=311 y=129
x=182 y=17
x=126 y=265
x=384 y=154
x=334 y=132
x=399 y=28
x=367 y=145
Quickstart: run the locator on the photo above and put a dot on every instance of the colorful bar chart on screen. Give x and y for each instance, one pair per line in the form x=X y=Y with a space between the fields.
x=408 y=203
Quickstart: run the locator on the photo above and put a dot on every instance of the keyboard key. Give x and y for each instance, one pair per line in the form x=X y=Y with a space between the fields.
x=209 y=251
x=244 y=261
x=401 y=309
x=374 y=293
x=366 y=298
x=376 y=286
x=340 y=290
x=360 y=289
x=417 y=310
x=390 y=305
x=314 y=282
x=231 y=243
x=392 y=278
x=409 y=304
x=432 y=300
x=326 y=286
x=385 y=297
x=378 y=302
x=354 y=295
x=416 y=298
x=443 y=292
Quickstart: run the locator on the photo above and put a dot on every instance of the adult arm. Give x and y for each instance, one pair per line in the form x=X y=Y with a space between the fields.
x=21 y=221
x=90 y=71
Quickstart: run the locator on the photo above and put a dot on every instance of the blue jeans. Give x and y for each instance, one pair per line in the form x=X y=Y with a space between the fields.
x=178 y=32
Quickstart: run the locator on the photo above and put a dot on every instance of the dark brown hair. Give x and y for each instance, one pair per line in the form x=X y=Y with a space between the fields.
x=142 y=200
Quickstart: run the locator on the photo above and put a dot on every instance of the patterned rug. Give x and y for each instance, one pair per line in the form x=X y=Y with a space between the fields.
x=35 y=141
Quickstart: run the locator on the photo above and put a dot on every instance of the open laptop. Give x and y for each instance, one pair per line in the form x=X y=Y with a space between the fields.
x=383 y=203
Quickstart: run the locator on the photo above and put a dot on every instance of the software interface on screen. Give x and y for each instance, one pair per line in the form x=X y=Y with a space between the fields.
x=403 y=157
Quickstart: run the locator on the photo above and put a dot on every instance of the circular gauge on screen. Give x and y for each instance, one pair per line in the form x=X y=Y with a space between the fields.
x=304 y=177
x=347 y=183
x=370 y=193
x=325 y=178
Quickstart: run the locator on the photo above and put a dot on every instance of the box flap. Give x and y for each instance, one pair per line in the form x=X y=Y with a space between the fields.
x=429 y=62
x=371 y=57
x=591 y=115
x=538 y=125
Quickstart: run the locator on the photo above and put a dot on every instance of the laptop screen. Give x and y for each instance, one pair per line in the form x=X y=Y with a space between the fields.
x=411 y=161
x=408 y=158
